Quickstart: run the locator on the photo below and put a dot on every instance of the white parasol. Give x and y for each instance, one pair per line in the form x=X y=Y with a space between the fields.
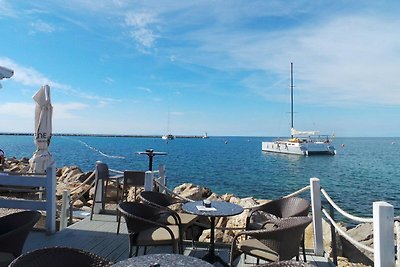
x=42 y=158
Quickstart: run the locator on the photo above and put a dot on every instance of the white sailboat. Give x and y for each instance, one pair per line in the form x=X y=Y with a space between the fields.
x=168 y=136
x=301 y=142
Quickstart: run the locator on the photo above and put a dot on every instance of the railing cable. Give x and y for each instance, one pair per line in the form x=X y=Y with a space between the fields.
x=298 y=192
x=352 y=217
x=345 y=235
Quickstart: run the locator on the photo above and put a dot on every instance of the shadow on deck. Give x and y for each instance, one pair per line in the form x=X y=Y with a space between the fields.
x=99 y=236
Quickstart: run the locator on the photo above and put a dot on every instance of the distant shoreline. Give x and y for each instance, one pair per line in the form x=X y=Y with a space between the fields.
x=107 y=135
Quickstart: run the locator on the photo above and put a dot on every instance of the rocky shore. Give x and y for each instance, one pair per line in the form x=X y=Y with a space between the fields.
x=79 y=184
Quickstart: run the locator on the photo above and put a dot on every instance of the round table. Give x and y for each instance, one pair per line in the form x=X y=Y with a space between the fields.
x=217 y=209
x=162 y=260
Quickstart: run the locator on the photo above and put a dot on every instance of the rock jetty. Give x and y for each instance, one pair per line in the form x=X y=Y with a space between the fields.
x=80 y=183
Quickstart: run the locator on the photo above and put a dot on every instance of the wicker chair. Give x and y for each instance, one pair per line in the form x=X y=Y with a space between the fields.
x=14 y=229
x=60 y=257
x=131 y=179
x=163 y=201
x=145 y=230
x=102 y=179
x=278 y=241
x=279 y=208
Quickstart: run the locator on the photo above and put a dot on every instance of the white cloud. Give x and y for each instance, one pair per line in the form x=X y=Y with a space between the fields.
x=67 y=110
x=6 y=10
x=109 y=80
x=20 y=110
x=343 y=60
x=30 y=77
x=41 y=26
x=142 y=31
x=145 y=89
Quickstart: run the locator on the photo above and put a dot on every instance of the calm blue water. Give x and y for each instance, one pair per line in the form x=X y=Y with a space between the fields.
x=363 y=171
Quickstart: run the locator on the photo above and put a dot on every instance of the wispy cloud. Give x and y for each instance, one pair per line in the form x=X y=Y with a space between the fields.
x=67 y=110
x=19 y=110
x=6 y=9
x=30 y=77
x=41 y=26
x=145 y=89
x=109 y=80
x=142 y=31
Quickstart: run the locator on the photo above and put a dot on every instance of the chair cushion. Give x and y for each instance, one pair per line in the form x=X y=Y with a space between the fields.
x=187 y=218
x=6 y=258
x=158 y=236
x=258 y=219
x=257 y=249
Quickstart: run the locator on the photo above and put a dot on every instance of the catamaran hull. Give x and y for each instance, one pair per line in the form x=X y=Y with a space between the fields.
x=306 y=149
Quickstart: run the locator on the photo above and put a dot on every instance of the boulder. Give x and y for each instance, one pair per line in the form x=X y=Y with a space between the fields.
x=192 y=191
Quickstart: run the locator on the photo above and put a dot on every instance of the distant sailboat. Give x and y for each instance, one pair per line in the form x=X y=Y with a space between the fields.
x=168 y=136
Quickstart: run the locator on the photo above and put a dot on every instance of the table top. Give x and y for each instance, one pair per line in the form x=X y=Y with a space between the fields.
x=220 y=209
x=162 y=260
x=152 y=153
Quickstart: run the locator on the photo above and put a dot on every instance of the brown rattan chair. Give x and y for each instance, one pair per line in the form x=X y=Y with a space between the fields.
x=103 y=178
x=131 y=179
x=279 y=208
x=163 y=201
x=277 y=241
x=14 y=229
x=60 y=257
x=144 y=229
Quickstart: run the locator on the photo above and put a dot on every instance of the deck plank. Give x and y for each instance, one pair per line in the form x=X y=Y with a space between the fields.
x=99 y=236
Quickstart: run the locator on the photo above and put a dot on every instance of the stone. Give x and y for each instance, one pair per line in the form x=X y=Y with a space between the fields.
x=192 y=191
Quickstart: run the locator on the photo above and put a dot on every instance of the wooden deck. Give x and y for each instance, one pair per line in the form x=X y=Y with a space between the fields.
x=99 y=236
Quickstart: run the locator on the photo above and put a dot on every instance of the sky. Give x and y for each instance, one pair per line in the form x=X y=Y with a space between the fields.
x=190 y=67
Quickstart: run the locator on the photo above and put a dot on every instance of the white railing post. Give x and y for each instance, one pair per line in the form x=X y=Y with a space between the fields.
x=97 y=202
x=51 y=183
x=383 y=214
x=315 y=189
x=64 y=210
x=162 y=180
x=148 y=181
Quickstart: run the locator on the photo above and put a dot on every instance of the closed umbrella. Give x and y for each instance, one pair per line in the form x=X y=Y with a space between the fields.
x=42 y=158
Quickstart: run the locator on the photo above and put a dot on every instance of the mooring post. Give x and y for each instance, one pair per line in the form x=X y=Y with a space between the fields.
x=383 y=216
x=148 y=181
x=51 y=200
x=317 y=216
x=99 y=192
x=64 y=210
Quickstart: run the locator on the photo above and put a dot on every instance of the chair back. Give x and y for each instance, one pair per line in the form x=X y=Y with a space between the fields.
x=15 y=228
x=132 y=178
x=102 y=171
x=158 y=198
x=287 y=236
x=286 y=207
x=137 y=214
x=60 y=257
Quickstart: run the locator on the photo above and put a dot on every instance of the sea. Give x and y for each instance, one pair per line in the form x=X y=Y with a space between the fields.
x=363 y=171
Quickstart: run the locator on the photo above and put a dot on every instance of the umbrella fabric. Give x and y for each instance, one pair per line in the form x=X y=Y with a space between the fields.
x=42 y=158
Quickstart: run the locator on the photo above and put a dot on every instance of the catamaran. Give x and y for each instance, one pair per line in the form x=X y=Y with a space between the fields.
x=301 y=142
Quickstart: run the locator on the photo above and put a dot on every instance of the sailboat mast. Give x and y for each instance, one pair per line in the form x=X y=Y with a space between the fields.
x=291 y=96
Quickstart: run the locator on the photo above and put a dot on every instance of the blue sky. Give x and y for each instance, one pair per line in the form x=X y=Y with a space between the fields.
x=222 y=67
